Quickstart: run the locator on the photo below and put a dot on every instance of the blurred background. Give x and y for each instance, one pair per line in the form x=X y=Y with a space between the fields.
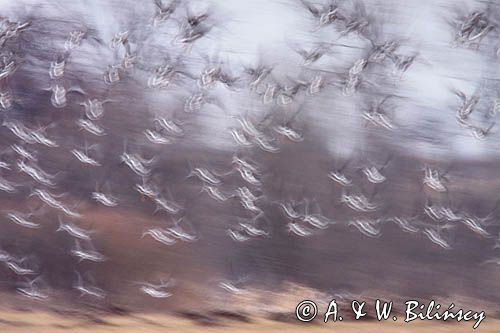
x=217 y=158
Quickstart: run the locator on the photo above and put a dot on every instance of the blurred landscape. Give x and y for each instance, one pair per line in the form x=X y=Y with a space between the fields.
x=207 y=165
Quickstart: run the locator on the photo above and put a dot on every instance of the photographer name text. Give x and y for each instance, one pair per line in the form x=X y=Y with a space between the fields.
x=307 y=311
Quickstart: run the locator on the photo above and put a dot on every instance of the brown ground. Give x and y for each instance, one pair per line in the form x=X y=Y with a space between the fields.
x=44 y=322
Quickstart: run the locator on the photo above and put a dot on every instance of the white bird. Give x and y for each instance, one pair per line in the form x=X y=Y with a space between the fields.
x=50 y=200
x=57 y=68
x=147 y=190
x=169 y=206
x=230 y=287
x=90 y=254
x=316 y=220
x=366 y=227
x=7 y=186
x=160 y=235
x=94 y=108
x=289 y=210
x=240 y=138
x=205 y=175
x=404 y=223
x=43 y=140
x=21 y=131
x=84 y=158
x=58 y=98
x=170 y=126
x=20 y=220
x=74 y=230
x=248 y=127
x=474 y=225
x=156 y=137
x=23 y=152
x=242 y=163
x=88 y=290
x=74 y=40
x=91 y=127
x=291 y=134
x=248 y=175
x=434 y=236
x=237 y=236
x=299 y=230
x=36 y=173
x=252 y=230
x=105 y=199
x=374 y=175
x=32 y=291
x=339 y=178
x=18 y=269
x=265 y=144
x=157 y=290
x=215 y=193
x=432 y=179
x=137 y=164
x=358 y=202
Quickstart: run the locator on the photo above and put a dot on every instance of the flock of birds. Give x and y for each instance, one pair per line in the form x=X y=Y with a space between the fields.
x=23 y=177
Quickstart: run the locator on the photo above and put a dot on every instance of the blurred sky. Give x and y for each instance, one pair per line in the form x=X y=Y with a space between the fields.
x=264 y=28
